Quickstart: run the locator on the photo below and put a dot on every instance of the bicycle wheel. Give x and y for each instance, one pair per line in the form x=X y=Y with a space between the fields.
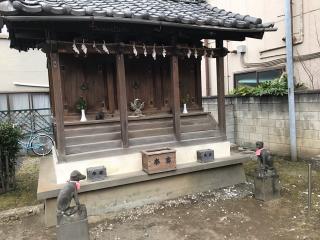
x=42 y=144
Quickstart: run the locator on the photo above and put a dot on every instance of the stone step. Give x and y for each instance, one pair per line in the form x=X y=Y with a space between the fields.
x=92 y=138
x=91 y=147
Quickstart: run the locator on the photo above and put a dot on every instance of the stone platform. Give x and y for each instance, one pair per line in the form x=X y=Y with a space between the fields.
x=133 y=189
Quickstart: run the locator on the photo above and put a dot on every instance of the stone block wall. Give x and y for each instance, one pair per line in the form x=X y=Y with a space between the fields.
x=250 y=119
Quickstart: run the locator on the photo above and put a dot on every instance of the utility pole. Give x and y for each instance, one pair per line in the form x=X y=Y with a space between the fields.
x=290 y=73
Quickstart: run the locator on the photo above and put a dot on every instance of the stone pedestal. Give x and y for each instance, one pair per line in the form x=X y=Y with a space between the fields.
x=74 y=226
x=315 y=161
x=266 y=187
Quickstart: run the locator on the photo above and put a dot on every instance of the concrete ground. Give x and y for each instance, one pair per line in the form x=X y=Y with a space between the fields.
x=230 y=213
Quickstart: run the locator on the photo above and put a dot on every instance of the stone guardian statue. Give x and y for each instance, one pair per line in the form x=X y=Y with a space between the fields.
x=72 y=221
x=266 y=179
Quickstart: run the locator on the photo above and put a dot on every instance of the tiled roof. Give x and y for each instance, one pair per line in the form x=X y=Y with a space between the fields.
x=196 y=12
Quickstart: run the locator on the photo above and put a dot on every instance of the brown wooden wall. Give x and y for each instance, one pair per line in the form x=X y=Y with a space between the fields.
x=190 y=81
x=95 y=72
x=150 y=81
x=146 y=79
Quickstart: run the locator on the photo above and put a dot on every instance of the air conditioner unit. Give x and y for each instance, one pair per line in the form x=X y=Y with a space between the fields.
x=241 y=49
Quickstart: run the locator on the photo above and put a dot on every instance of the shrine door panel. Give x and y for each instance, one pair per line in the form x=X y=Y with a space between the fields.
x=190 y=81
x=87 y=78
x=139 y=79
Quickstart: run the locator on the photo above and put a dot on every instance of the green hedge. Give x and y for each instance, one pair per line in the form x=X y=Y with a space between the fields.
x=276 y=87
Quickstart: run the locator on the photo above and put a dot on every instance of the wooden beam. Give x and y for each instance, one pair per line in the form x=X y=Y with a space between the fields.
x=58 y=103
x=122 y=99
x=220 y=88
x=175 y=96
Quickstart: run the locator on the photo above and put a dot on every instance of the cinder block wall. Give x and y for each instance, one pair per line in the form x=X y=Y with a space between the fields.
x=250 y=119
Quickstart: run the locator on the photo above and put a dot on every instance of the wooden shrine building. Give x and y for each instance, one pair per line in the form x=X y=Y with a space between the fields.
x=110 y=52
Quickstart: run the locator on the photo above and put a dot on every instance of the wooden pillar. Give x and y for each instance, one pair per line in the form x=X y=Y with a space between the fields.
x=220 y=88
x=58 y=103
x=122 y=99
x=175 y=96
x=50 y=84
x=207 y=71
x=198 y=85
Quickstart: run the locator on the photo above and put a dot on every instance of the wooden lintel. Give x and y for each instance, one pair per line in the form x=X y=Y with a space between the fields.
x=58 y=103
x=221 y=90
x=175 y=96
x=122 y=99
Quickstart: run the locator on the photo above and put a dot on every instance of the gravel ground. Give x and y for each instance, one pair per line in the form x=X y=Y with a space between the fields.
x=229 y=213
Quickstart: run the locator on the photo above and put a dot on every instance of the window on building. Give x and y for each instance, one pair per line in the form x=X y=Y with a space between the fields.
x=254 y=78
x=3 y=103
x=40 y=100
x=24 y=101
x=19 y=101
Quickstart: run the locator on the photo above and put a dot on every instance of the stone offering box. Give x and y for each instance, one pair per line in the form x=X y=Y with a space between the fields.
x=96 y=173
x=267 y=187
x=159 y=160
x=205 y=156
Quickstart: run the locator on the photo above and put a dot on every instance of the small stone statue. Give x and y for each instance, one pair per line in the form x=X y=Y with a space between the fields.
x=265 y=161
x=266 y=179
x=100 y=115
x=72 y=222
x=137 y=106
x=69 y=192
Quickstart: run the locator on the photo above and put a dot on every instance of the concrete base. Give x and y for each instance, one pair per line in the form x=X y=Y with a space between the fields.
x=267 y=188
x=157 y=188
x=132 y=162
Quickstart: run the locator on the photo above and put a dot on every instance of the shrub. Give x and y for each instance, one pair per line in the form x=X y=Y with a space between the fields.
x=9 y=148
x=276 y=87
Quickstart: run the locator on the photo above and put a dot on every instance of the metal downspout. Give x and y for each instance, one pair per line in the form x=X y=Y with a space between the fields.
x=290 y=72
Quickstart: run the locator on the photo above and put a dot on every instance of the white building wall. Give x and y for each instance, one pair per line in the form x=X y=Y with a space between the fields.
x=306 y=28
x=23 y=67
